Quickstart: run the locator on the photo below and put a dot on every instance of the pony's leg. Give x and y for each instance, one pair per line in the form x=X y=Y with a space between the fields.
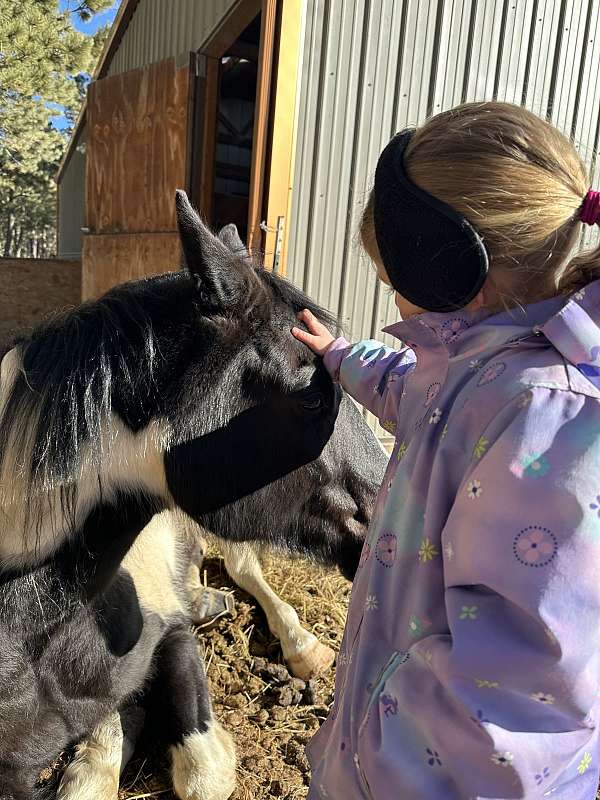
x=96 y=766
x=193 y=580
x=132 y=722
x=207 y=605
x=303 y=652
x=101 y=758
x=202 y=752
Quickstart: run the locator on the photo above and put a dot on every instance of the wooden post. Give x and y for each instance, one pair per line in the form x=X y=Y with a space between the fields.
x=261 y=123
x=283 y=136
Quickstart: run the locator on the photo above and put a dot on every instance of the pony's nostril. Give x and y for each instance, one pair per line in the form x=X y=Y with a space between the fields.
x=363 y=515
x=363 y=494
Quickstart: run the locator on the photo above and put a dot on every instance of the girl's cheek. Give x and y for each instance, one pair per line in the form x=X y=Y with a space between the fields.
x=406 y=308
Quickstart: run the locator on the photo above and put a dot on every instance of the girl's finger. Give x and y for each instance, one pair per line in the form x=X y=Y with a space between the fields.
x=312 y=323
x=302 y=336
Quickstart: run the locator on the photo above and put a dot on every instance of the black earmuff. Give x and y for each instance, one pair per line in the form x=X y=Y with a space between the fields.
x=433 y=256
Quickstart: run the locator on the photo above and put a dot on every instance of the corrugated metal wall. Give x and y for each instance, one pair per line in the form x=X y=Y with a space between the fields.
x=164 y=28
x=71 y=202
x=371 y=68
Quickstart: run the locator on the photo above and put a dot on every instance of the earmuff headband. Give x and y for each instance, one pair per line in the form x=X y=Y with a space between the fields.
x=433 y=256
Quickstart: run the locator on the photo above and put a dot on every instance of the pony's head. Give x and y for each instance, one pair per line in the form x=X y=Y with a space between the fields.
x=190 y=390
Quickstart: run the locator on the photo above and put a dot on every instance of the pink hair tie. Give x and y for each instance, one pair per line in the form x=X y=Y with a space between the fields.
x=590 y=211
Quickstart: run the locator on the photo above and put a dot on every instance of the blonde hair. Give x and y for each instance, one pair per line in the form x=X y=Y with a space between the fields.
x=519 y=181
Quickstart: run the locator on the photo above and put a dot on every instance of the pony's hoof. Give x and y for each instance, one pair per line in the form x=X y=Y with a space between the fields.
x=84 y=779
x=95 y=768
x=314 y=660
x=204 y=765
x=210 y=605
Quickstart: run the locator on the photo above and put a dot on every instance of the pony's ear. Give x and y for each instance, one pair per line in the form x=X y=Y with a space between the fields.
x=231 y=239
x=220 y=275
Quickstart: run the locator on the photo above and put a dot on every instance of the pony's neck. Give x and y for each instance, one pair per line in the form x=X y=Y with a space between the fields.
x=118 y=483
x=83 y=568
x=89 y=561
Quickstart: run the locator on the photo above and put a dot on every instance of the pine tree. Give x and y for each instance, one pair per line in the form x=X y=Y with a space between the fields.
x=43 y=64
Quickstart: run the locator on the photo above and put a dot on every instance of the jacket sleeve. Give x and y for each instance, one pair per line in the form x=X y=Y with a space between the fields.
x=372 y=374
x=507 y=701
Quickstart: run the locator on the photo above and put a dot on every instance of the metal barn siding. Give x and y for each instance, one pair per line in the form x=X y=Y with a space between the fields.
x=163 y=28
x=71 y=202
x=371 y=68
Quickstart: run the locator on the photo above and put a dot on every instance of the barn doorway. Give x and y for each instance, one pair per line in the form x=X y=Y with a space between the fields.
x=236 y=105
x=242 y=144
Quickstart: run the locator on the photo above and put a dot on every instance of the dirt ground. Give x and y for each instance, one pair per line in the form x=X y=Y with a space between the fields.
x=271 y=716
x=252 y=690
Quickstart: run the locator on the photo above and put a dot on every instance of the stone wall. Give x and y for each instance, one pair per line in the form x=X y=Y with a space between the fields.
x=31 y=288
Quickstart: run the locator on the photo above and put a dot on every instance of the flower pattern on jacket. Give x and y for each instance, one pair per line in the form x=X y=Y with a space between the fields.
x=482 y=573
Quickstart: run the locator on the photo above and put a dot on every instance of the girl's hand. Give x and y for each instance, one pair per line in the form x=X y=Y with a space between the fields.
x=318 y=338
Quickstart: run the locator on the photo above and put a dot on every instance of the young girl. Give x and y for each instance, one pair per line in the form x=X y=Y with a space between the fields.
x=470 y=665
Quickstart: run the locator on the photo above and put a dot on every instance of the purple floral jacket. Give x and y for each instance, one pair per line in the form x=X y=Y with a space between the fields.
x=470 y=664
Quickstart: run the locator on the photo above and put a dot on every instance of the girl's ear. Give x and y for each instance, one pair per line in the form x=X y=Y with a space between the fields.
x=478 y=301
x=491 y=293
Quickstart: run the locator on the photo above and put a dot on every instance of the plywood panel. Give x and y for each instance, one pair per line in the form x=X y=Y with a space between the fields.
x=137 y=148
x=113 y=259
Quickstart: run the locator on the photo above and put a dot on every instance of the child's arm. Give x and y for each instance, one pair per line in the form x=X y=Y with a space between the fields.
x=369 y=371
x=507 y=699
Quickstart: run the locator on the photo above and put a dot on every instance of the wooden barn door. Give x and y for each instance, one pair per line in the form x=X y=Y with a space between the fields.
x=137 y=155
x=243 y=139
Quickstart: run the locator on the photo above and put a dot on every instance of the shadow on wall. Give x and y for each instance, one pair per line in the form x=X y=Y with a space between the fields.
x=32 y=288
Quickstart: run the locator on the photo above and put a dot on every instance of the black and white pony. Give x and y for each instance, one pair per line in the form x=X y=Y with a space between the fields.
x=179 y=398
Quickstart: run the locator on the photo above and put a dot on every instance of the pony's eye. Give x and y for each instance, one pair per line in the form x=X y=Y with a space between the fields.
x=312 y=402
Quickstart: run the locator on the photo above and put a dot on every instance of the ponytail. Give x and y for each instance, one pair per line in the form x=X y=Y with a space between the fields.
x=581 y=270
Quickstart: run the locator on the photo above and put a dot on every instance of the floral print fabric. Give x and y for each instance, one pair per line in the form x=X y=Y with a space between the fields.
x=470 y=665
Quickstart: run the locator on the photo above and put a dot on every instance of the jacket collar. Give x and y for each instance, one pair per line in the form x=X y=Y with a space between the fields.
x=464 y=333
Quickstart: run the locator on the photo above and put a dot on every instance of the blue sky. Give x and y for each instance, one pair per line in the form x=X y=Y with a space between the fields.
x=96 y=22
x=89 y=28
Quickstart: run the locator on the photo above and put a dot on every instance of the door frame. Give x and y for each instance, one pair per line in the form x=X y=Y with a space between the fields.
x=262 y=127
x=277 y=201
x=274 y=118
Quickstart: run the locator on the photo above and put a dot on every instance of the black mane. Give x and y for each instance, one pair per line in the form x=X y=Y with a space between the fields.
x=71 y=365
x=103 y=357
x=296 y=299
